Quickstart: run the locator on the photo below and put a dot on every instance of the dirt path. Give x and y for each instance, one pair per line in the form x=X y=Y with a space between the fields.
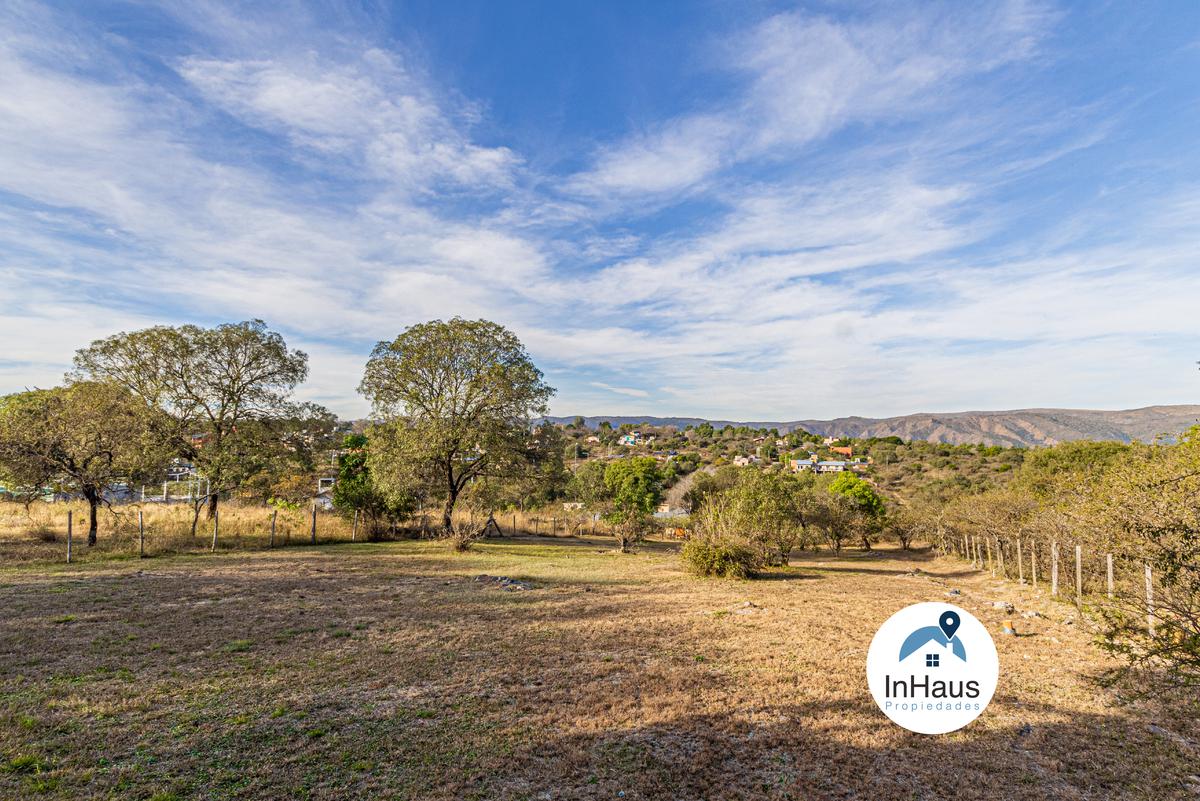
x=389 y=671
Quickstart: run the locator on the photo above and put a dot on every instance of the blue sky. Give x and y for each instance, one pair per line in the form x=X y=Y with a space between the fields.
x=750 y=210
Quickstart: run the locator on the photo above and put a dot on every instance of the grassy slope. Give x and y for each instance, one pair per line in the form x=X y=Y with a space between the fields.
x=386 y=671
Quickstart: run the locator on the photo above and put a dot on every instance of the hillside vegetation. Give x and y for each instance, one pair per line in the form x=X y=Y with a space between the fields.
x=1016 y=428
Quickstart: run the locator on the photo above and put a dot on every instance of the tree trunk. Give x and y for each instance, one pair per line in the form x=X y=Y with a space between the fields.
x=212 y=505
x=448 y=514
x=93 y=500
x=199 y=502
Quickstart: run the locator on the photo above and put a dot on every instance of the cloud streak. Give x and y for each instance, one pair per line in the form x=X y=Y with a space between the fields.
x=878 y=213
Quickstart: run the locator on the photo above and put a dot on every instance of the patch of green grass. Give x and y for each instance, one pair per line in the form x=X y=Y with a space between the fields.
x=42 y=784
x=238 y=646
x=63 y=619
x=25 y=763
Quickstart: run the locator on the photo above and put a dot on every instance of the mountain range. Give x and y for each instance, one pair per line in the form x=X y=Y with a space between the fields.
x=1019 y=427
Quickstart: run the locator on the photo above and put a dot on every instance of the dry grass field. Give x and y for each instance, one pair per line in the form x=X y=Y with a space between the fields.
x=388 y=671
x=38 y=532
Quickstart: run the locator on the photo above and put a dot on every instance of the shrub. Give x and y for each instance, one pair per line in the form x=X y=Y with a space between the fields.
x=720 y=556
x=44 y=533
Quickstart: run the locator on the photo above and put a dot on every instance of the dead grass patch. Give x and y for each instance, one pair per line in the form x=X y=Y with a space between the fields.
x=386 y=670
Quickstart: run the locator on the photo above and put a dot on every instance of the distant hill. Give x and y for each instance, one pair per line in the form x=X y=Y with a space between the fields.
x=1024 y=427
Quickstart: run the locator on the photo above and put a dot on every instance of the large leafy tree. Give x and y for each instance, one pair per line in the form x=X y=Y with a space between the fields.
x=635 y=488
x=586 y=484
x=456 y=399
x=866 y=502
x=84 y=438
x=774 y=510
x=216 y=391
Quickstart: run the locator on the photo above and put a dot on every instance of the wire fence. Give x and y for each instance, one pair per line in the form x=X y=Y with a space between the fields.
x=1066 y=570
x=57 y=531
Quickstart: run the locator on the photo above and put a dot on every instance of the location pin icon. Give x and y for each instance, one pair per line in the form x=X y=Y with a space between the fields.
x=949 y=623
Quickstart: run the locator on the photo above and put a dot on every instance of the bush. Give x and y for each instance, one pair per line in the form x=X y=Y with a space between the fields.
x=721 y=557
x=43 y=532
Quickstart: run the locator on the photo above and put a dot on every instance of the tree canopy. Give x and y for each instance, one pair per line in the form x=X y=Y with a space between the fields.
x=207 y=387
x=456 y=399
x=86 y=438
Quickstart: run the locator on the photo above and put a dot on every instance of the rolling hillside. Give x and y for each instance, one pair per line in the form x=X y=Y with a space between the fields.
x=1024 y=427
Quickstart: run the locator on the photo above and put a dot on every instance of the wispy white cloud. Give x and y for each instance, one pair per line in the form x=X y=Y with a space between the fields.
x=371 y=111
x=808 y=76
x=630 y=391
x=325 y=182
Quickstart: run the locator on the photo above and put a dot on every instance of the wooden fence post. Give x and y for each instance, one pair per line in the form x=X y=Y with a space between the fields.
x=514 y=528
x=1000 y=551
x=70 y=521
x=313 y=528
x=978 y=554
x=554 y=527
x=141 y=533
x=354 y=527
x=535 y=525
x=1020 y=563
x=991 y=560
x=1079 y=576
x=1109 y=572
x=274 y=515
x=1054 y=569
x=216 y=525
x=1149 y=603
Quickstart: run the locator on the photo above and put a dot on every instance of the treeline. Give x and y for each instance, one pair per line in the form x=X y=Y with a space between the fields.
x=746 y=519
x=219 y=399
x=452 y=406
x=1139 y=503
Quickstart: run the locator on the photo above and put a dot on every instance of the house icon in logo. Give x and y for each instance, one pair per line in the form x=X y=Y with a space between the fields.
x=942 y=634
